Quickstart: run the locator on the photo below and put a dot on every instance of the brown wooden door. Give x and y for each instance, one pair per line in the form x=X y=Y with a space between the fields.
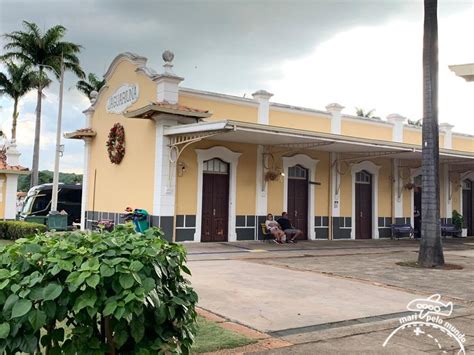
x=298 y=199
x=215 y=207
x=363 y=205
x=467 y=206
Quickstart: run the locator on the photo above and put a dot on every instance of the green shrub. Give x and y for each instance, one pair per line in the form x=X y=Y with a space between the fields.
x=17 y=229
x=458 y=219
x=116 y=292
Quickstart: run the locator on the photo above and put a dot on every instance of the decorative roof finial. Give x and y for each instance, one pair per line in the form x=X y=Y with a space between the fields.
x=93 y=96
x=168 y=57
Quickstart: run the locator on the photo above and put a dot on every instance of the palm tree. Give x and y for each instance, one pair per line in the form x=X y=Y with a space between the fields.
x=362 y=113
x=431 y=249
x=46 y=51
x=16 y=84
x=91 y=84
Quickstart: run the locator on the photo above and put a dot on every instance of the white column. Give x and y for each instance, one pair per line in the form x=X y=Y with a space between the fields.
x=85 y=183
x=167 y=84
x=85 y=174
x=10 y=196
x=261 y=193
x=165 y=175
x=335 y=110
x=263 y=98
x=398 y=122
x=397 y=190
x=447 y=192
x=448 y=134
x=335 y=184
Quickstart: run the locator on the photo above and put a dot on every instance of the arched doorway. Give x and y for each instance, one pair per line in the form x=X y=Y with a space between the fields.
x=417 y=206
x=363 y=205
x=467 y=206
x=298 y=198
x=215 y=201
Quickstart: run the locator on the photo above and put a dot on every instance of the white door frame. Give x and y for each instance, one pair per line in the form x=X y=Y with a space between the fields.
x=310 y=164
x=469 y=175
x=373 y=169
x=232 y=158
x=413 y=174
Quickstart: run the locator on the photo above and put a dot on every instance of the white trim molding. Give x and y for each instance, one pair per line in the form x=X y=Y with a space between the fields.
x=373 y=169
x=397 y=182
x=336 y=116
x=263 y=99
x=261 y=197
x=448 y=200
x=398 y=122
x=469 y=175
x=310 y=164
x=10 y=196
x=447 y=129
x=232 y=158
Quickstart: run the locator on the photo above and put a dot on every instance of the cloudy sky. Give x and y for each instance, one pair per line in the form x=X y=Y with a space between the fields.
x=310 y=53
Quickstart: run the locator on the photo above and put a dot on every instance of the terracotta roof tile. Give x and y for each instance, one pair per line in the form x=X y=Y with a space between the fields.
x=179 y=107
x=4 y=166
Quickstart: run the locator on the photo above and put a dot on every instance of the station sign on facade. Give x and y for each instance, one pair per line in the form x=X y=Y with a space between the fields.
x=122 y=98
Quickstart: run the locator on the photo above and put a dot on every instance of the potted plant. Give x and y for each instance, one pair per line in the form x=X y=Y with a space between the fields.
x=458 y=221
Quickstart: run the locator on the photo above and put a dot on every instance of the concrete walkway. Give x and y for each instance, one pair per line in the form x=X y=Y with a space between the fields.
x=267 y=298
x=332 y=297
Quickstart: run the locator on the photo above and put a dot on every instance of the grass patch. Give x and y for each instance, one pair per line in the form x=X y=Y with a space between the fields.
x=416 y=265
x=211 y=337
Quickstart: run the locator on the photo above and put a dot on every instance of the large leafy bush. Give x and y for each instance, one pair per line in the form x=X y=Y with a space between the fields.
x=18 y=229
x=119 y=293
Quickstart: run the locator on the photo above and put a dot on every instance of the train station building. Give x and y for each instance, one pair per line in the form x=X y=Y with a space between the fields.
x=209 y=166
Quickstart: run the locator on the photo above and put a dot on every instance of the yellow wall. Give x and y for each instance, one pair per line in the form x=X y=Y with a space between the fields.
x=186 y=191
x=366 y=130
x=321 y=197
x=411 y=136
x=463 y=143
x=385 y=187
x=131 y=182
x=300 y=121
x=221 y=110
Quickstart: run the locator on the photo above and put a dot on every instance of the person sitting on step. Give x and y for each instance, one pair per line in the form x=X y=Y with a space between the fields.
x=291 y=232
x=274 y=228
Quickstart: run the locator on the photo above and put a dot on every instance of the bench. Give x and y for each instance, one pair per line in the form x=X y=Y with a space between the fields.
x=267 y=236
x=402 y=230
x=449 y=229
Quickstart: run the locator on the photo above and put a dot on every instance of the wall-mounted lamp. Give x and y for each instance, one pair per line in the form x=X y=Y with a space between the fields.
x=181 y=168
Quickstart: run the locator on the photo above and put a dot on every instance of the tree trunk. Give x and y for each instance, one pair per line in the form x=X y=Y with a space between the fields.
x=35 y=164
x=431 y=248
x=14 y=119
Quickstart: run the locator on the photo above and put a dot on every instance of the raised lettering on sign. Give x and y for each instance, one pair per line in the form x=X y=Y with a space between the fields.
x=122 y=98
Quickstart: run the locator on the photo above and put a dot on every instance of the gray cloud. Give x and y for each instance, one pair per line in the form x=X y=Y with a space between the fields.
x=226 y=46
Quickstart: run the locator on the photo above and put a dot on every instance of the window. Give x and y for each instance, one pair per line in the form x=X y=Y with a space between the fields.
x=363 y=177
x=467 y=185
x=215 y=166
x=297 y=172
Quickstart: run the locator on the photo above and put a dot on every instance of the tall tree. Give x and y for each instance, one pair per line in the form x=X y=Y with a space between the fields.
x=431 y=248
x=45 y=51
x=16 y=83
x=362 y=113
x=91 y=84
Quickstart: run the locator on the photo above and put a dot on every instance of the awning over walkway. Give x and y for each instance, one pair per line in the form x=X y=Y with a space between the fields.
x=289 y=138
